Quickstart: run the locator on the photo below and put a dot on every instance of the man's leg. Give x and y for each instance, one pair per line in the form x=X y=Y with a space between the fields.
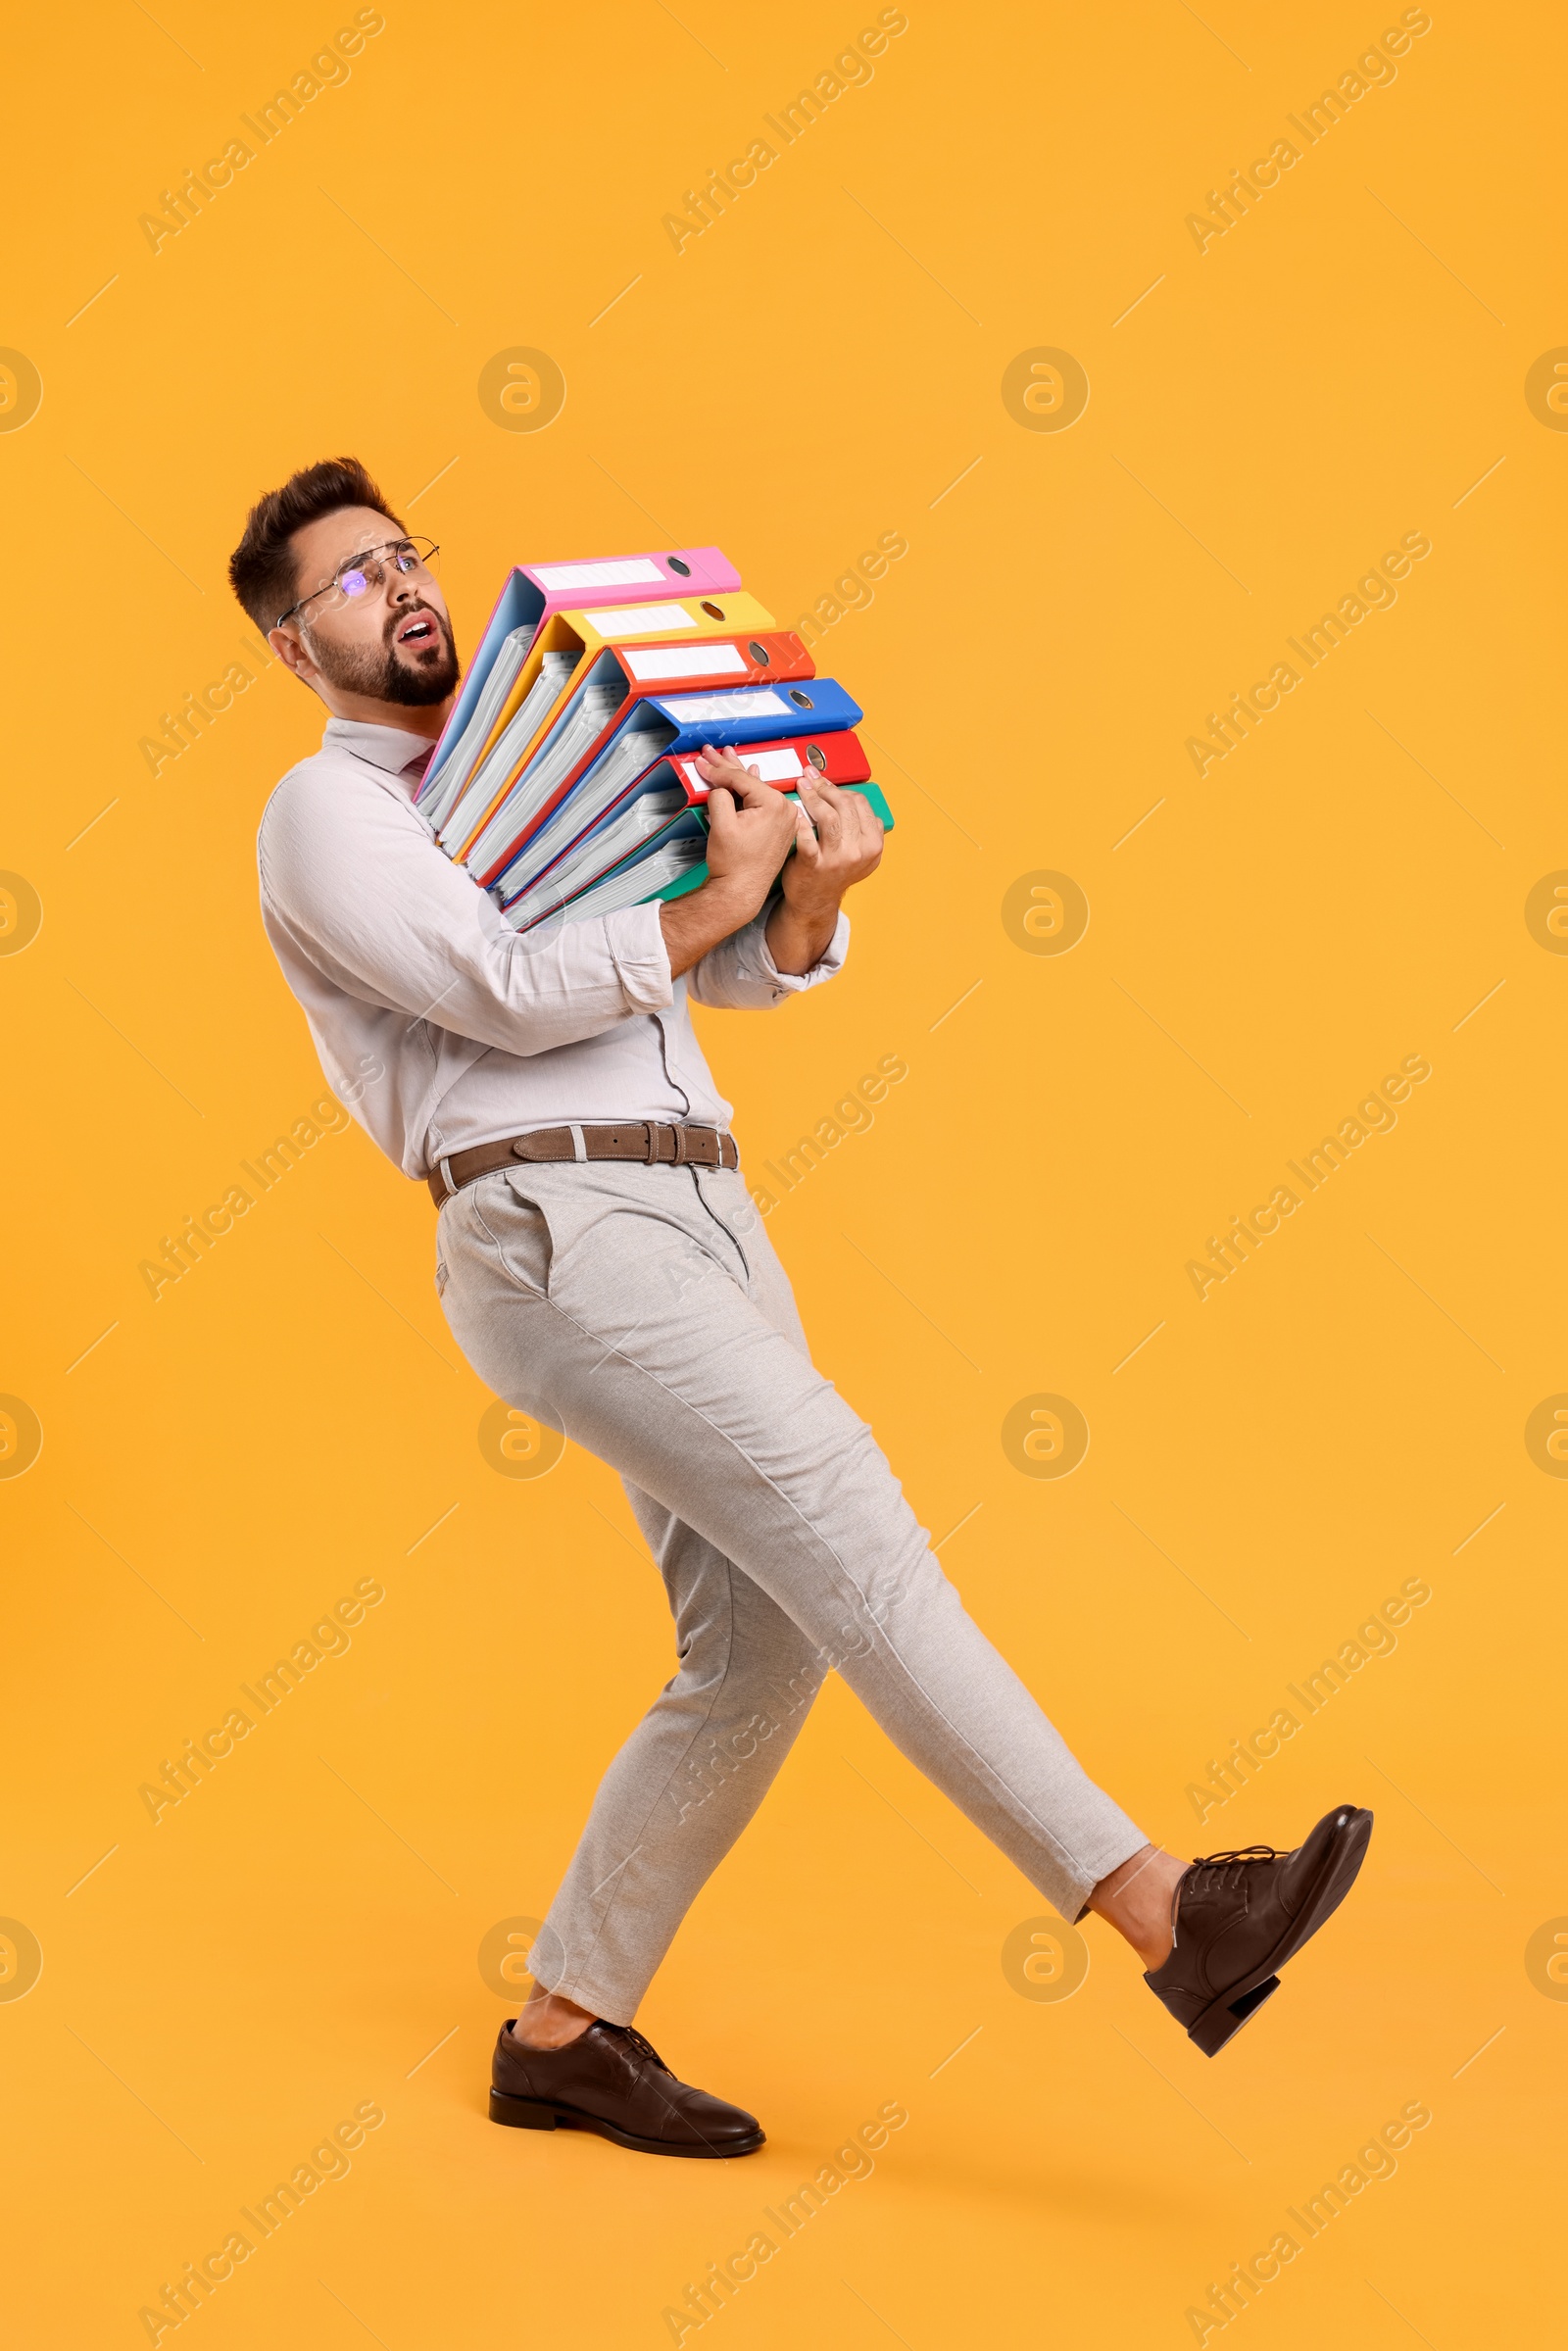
x=684 y=1785
x=610 y=1303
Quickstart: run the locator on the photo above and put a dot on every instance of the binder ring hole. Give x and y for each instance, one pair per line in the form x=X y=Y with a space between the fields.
x=802 y=701
x=715 y=611
x=760 y=655
x=817 y=757
x=676 y=564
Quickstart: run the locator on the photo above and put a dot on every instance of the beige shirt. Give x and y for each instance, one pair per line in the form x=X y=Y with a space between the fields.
x=437 y=1024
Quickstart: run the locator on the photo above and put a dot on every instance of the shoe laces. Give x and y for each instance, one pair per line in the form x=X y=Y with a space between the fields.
x=1227 y=1871
x=629 y=2032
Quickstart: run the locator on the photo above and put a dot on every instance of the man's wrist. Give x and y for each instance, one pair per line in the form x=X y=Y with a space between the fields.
x=797 y=940
x=730 y=901
x=814 y=909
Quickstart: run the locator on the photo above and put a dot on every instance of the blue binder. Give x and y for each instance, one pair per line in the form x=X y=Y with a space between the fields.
x=728 y=717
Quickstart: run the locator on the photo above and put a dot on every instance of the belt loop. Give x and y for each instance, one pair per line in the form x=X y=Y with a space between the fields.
x=445 y=1166
x=680 y=1146
x=579 y=1147
x=652 y=1153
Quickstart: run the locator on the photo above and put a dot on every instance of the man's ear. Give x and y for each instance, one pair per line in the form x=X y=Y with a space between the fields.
x=292 y=654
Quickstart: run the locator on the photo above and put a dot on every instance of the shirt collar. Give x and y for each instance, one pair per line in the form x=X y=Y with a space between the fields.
x=392 y=749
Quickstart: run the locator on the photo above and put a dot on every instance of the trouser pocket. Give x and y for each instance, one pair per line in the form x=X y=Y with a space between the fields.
x=520 y=1228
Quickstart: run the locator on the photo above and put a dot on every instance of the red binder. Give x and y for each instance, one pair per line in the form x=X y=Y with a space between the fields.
x=681 y=665
x=838 y=757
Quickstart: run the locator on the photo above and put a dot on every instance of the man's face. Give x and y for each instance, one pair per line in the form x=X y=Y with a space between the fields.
x=391 y=644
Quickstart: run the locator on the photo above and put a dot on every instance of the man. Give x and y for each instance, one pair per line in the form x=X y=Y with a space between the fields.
x=602 y=1267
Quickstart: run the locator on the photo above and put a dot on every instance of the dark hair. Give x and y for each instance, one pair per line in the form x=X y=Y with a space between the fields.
x=262 y=570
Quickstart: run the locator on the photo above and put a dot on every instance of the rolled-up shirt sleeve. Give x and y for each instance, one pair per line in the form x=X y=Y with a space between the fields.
x=357 y=883
x=740 y=972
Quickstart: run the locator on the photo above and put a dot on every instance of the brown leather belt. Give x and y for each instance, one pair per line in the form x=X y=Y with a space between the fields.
x=644 y=1138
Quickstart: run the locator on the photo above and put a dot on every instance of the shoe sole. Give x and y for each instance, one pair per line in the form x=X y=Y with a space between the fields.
x=530 y=2114
x=1342 y=1863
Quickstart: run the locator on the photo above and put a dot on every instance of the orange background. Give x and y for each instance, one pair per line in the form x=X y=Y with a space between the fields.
x=822 y=364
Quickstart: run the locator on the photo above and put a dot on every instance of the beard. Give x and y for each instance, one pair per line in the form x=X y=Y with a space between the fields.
x=424 y=676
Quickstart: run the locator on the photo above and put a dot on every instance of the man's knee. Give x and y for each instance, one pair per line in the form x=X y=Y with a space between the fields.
x=704 y=1656
x=719 y=1757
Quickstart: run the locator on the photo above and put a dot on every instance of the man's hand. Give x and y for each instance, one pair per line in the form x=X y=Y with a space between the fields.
x=838 y=841
x=837 y=838
x=749 y=828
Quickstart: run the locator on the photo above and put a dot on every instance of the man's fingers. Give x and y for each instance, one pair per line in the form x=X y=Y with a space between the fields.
x=728 y=767
x=844 y=819
x=806 y=844
x=827 y=815
x=868 y=824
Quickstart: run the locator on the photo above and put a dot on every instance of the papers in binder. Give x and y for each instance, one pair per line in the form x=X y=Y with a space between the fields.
x=608 y=845
x=630 y=755
x=626 y=885
x=488 y=779
x=531 y=791
x=437 y=797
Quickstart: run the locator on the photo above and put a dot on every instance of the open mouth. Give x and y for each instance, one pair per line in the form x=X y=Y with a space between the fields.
x=418 y=629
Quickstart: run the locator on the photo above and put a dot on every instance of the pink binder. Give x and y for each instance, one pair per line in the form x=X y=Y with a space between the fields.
x=534 y=591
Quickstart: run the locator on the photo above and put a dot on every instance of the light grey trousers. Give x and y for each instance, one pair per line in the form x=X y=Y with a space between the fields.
x=642 y=1312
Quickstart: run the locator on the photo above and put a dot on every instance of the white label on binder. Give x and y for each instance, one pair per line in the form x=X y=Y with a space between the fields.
x=686 y=660
x=642 y=620
x=772 y=766
x=634 y=572
x=744 y=702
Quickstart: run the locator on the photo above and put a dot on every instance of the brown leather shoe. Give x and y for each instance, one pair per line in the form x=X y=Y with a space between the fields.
x=612 y=2080
x=1240 y=1916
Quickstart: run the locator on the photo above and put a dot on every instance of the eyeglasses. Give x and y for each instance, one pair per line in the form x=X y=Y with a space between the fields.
x=366 y=574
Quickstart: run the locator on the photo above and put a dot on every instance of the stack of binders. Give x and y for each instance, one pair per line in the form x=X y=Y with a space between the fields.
x=565 y=780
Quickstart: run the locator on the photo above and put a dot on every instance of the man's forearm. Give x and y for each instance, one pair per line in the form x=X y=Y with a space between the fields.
x=797 y=941
x=692 y=924
x=715 y=910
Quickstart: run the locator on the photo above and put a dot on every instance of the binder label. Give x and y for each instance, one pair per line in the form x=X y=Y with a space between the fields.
x=641 y=620
x=686 y=660
x=633 y=572
x=772 y=766
x=746 y=702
